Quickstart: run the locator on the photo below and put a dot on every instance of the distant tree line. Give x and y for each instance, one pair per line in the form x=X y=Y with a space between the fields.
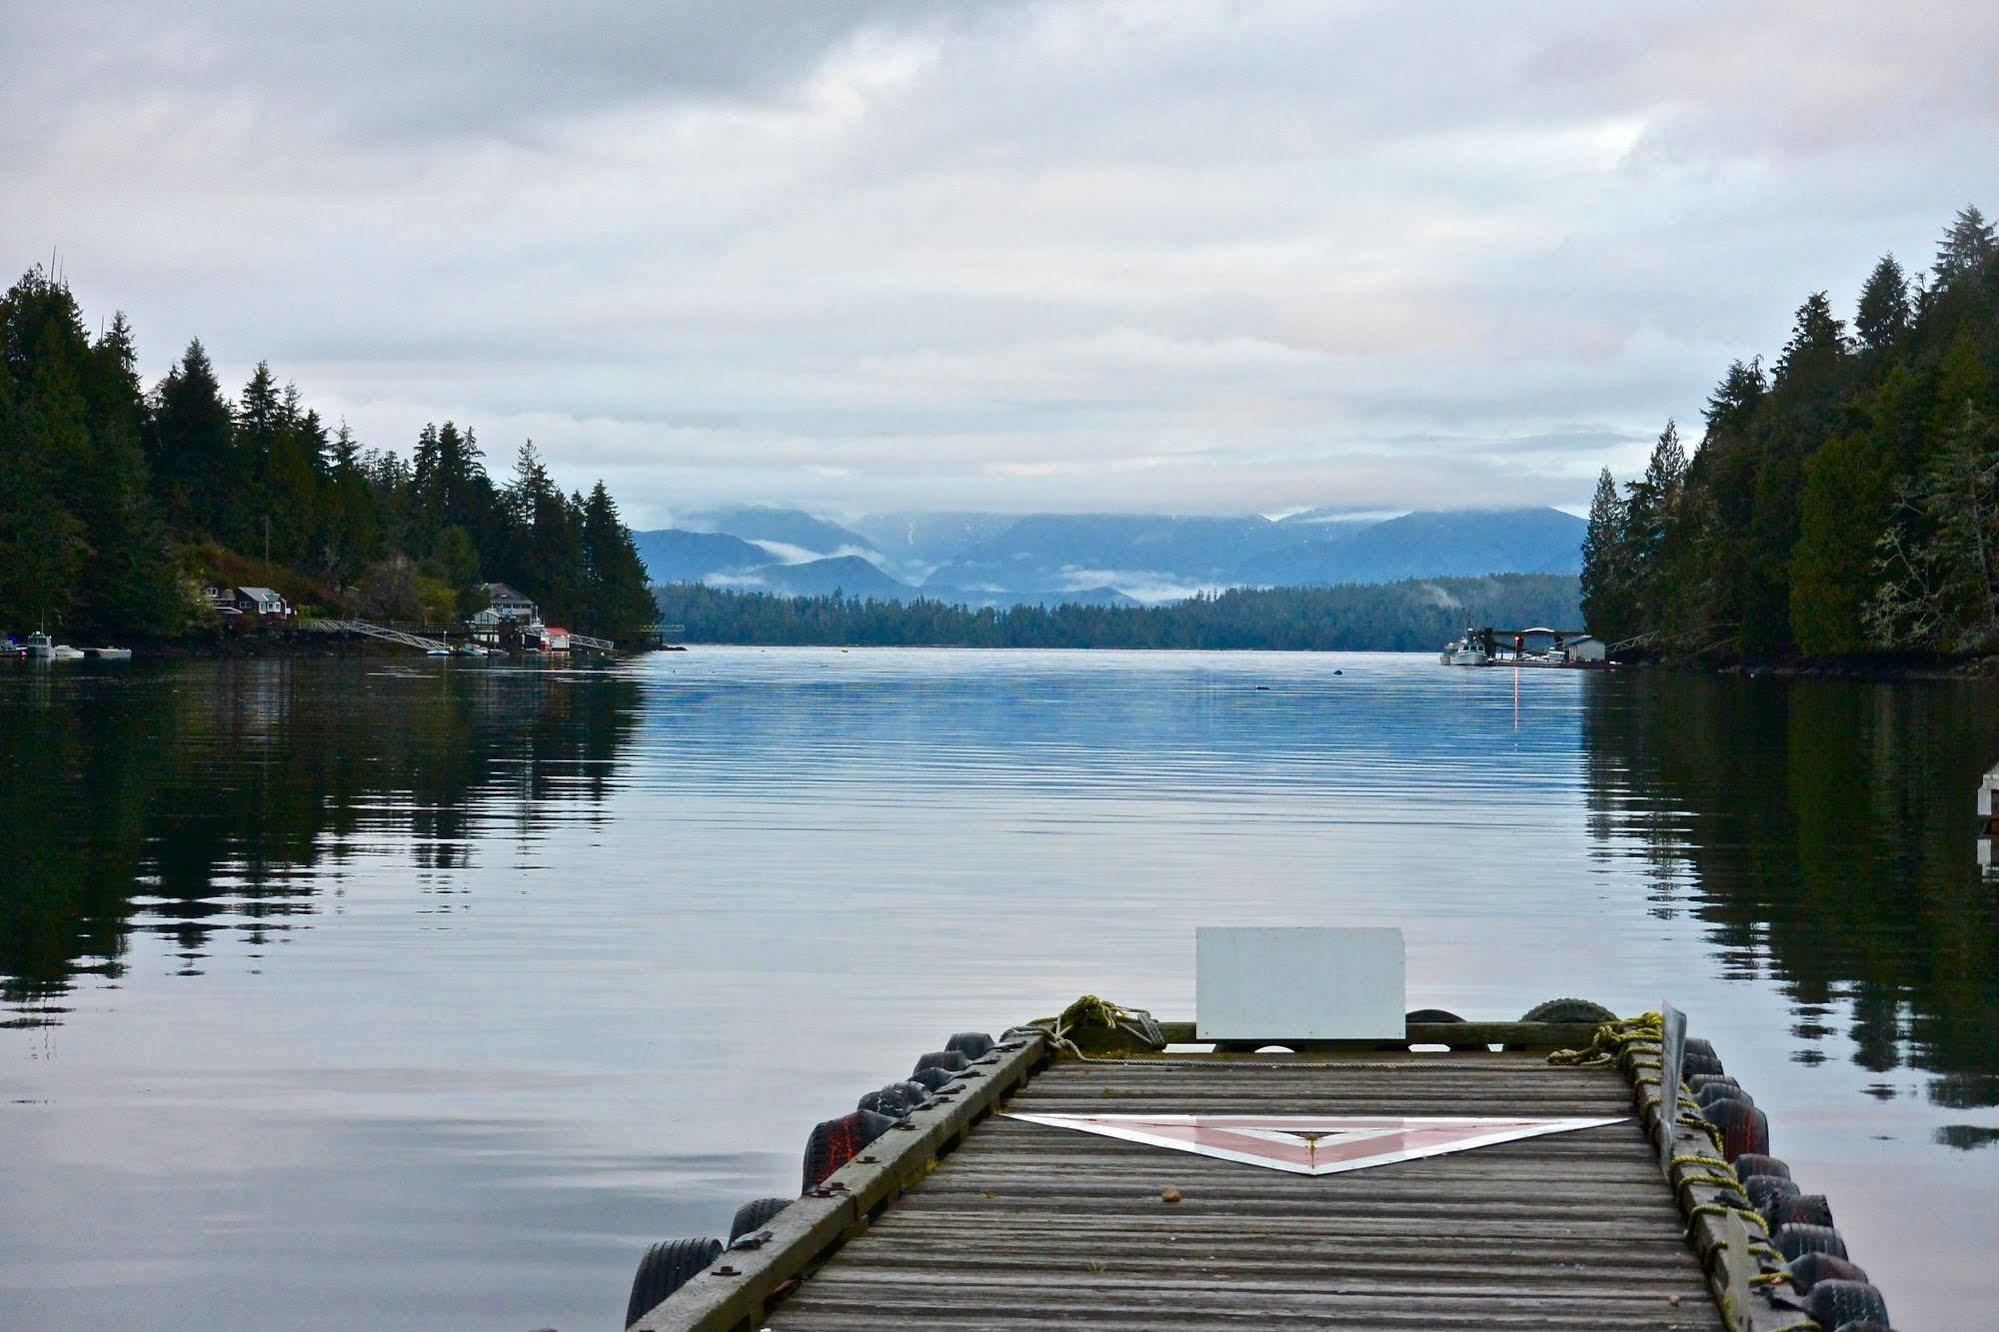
x=1414 y=615
x=114 y=501
x=1843 y=501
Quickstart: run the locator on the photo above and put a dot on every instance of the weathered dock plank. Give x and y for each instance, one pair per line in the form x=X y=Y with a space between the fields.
x=1029 y=1225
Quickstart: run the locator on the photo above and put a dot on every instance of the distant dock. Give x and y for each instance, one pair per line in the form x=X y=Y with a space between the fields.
x=1081 y=1175
x=1534 y=646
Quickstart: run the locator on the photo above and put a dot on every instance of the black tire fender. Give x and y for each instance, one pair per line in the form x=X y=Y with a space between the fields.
x=1568 y=1010
x=1812 y=1268
x=971 y=1044
x=1835 y=1303
x=1755 y=1163
x=1764 y=1191
x=1796 y=1240
x=752 y=1215
x=834 y=1142
x=1744 y=1129
x=666 y=1267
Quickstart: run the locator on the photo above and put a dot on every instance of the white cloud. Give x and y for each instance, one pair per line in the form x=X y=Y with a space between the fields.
x=1095 y=254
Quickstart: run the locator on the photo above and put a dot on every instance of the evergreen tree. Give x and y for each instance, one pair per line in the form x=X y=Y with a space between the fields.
x=1732 y=405
x=43 y=544
x=1816 y=337
x=1845 y=502
x=451 y=488
x=1883 y=313
x=130 y=584
x=191 y=448
x=1649 y=506
x=1606 y=576
x=260 y=415
x=1939 y=569
x=620 y=603
x=292 y=483
x=351 y=522
x=1965 y=248
x=98 y=481
x=1842 y=504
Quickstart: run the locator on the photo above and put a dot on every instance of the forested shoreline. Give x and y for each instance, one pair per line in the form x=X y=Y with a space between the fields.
x=117 y=502
x=1843 y=503
x=1412 y=615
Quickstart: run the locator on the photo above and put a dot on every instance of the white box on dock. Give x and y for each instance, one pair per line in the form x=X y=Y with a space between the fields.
x=1298 y=982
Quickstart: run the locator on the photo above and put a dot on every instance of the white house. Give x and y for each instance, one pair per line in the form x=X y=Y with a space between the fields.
x=506 y=603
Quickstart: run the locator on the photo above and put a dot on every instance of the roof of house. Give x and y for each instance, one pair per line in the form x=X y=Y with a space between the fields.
x=498 y=592
x=260 y=594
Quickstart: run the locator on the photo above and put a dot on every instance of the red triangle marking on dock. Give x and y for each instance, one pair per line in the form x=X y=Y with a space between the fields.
x=1315 y=1144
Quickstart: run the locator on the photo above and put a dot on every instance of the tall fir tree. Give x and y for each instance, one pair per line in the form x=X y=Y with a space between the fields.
x=620 y=602
x=1606 y=575
x=191 y=447
x=1882 y=316
x=1965 y=248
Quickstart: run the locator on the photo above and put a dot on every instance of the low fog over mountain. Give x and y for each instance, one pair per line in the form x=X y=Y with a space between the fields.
x=1002 y=559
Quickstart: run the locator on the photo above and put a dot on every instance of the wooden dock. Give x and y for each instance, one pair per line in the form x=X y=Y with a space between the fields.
x=966 y=1216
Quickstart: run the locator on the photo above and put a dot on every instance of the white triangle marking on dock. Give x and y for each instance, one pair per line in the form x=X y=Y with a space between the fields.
x=1315 y=1144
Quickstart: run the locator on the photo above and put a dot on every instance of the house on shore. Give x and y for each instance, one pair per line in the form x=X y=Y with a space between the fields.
x=507 y=604
x=508 y=620
x=259 y=605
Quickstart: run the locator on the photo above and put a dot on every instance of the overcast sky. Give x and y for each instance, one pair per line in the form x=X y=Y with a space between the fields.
x=1165 y=256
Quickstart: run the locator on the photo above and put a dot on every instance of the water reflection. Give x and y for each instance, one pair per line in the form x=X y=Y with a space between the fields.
x=503 y=976
x=1823 y=831
x=189 y=802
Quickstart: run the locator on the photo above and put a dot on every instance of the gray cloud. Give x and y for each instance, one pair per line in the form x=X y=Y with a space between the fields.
x=1079 y=255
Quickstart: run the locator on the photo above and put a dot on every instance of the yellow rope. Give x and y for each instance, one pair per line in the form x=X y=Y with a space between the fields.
x=1713 y=1133
x=1714 y=1162
x=1723 y=1209
x=1091 y=1012
x=1609 y=1041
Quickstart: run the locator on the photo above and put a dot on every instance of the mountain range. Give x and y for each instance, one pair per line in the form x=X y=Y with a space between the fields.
x=982 y=559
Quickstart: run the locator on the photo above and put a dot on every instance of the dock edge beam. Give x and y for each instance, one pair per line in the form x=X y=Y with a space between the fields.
x=736 y=1292
x=1743 y=1271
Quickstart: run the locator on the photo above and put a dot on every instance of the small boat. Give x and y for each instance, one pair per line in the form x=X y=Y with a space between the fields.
x=437 y=652
x=1464 y=652
x=64 y=652
x=471 y=650
x=109 y=653
x=41 y=647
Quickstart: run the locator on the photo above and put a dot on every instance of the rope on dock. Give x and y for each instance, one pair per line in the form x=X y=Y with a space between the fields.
x=1104 y=1025
x=1610 y=1041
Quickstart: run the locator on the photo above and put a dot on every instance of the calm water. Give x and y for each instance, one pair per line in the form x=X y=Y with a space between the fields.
x=425 y=995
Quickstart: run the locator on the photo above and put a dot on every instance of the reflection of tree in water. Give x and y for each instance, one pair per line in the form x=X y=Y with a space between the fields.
x=1826 y=829
x=215 y=794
